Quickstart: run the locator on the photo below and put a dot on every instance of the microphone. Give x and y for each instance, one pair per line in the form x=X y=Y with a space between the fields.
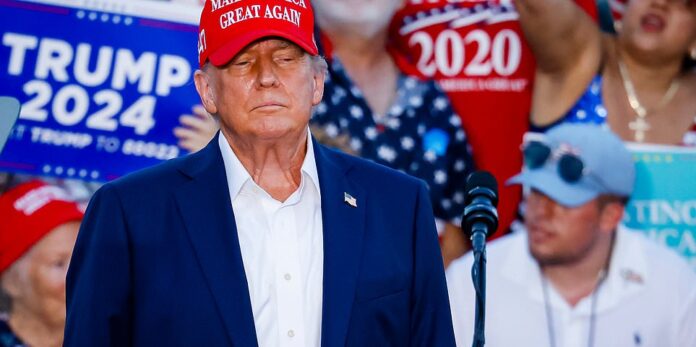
x=480 y=214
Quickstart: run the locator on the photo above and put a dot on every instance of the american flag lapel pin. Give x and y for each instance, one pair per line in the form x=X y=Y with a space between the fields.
x=350 y=200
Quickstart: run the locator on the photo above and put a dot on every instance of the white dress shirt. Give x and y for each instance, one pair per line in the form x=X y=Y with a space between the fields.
x=647 y=300
x=282 y=251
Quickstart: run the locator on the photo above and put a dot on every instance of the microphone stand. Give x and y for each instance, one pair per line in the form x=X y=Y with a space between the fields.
x=478 y=276
x=480 y=219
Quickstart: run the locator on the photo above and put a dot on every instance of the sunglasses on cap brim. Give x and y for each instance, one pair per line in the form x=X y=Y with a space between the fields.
x=538 y=150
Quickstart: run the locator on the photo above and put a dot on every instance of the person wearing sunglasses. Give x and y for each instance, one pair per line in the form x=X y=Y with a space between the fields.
x=574 y=276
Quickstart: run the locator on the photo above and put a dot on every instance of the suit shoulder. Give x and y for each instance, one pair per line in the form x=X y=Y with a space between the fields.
x=164 y=175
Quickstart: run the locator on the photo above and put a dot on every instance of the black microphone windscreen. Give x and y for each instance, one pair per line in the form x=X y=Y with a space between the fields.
x=482 y=179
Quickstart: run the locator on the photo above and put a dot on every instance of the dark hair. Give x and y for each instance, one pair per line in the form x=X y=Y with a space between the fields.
x=606 y=199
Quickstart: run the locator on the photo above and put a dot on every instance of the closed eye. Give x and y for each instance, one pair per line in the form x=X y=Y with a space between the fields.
x=285 y=59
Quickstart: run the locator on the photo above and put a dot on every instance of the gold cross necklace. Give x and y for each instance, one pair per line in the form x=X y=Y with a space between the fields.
x=640 y=125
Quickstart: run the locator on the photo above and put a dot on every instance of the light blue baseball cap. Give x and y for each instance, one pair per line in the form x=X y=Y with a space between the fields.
x=609 y=168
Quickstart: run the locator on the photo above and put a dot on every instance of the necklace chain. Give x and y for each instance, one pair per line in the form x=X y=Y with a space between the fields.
x=593 y=307
x=640 y=125
x=601 y=277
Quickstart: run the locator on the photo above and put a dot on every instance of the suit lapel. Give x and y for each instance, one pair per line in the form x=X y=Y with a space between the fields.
x=205 y=206
x=343 y=228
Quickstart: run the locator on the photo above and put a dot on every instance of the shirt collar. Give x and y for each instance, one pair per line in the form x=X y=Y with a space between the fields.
x=237 y=175
x=309 y=166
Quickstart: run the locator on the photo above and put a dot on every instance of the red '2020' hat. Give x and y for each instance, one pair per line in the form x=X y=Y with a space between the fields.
x=227 y=26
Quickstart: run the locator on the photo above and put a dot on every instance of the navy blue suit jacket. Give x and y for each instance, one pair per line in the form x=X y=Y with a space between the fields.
x=157 y=260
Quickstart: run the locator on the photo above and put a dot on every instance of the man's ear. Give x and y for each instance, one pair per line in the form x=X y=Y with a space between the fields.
x=318 y=90
x=205 y=90
x=611 y=215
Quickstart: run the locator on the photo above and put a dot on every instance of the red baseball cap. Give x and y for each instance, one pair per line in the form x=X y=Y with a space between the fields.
x=27 y=213
x=227 y=26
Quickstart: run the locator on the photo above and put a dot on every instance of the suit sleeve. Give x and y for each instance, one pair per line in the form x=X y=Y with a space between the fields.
x=431 y=320
x=98 y=282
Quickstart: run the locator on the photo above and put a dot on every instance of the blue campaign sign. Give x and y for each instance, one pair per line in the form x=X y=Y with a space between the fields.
x=663 y=204
x=101 y=87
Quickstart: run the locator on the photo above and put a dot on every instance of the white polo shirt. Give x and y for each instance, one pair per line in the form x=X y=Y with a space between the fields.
x=647 y=299
x=282 y=251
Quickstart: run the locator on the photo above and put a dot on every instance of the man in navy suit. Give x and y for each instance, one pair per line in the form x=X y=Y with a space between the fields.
x=264 y=237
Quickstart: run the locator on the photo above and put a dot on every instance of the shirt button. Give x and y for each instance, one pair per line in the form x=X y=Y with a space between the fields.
x=287 y=278
x=291 y=333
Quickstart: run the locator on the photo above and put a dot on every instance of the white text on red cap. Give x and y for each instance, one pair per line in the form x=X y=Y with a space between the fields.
x=248 y=12
x=36 y=199
x=218 y=4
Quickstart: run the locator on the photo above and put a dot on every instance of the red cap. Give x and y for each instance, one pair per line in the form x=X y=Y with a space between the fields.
x=27 y=213
x=227 y=26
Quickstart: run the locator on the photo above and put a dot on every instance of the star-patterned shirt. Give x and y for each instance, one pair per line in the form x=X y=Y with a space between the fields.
x=590 y=109
x=420 y=135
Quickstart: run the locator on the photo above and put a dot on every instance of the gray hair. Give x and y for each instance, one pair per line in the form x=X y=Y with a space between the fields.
x=19 y=272
x=319 y=64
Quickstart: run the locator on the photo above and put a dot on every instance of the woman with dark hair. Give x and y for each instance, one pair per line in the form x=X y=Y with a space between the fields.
x=640 y=82
x=37 y=233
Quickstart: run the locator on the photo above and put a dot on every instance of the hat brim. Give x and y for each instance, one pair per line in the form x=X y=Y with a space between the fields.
x=225 y=53
x=551 y=185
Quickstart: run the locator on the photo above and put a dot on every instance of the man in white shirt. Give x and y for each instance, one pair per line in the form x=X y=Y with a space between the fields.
x=264 y=237
x=574 y=276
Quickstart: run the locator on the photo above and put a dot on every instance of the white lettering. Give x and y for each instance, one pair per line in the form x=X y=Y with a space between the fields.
x=173 y=71
x=238 y=15
x=201 y=43
x=688 y=212
x=70 y=94
x=19 y=44
x=657 y=212
x=101 y=71
x=300 y=3
x=54 y=58
x=60 y=138
x=38 y=198
x=640 y=207
x=131 y=70
x=218 y=4
x=283 y=13
x=688 y=243
x=671 y=213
